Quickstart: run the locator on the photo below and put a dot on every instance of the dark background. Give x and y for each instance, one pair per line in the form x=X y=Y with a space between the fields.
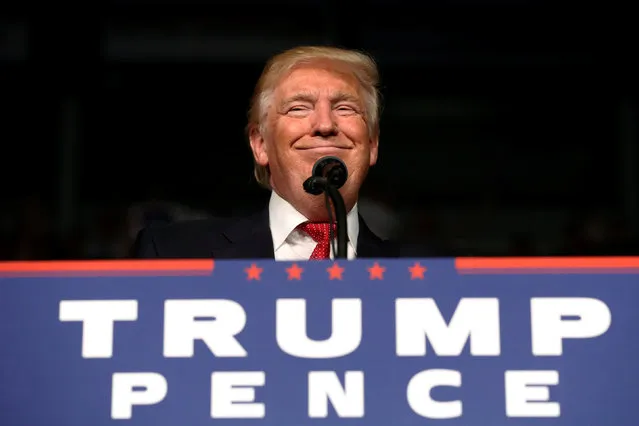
x=509 y=128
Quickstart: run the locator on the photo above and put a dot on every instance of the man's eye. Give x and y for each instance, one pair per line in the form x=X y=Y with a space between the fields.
x=346 y=108
x=298 y=109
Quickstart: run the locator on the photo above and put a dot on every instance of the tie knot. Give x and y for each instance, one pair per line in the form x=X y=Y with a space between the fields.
x=318 y=231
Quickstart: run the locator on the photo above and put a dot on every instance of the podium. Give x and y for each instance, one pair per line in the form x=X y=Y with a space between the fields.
x=456 y=341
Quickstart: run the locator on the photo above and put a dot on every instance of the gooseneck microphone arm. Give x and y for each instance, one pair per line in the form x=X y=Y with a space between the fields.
x=340 y=219
x=329 y=174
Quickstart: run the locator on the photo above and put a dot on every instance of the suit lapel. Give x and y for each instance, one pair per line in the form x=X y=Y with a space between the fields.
x=247 y=238
x=370 y=245
x=250 y=238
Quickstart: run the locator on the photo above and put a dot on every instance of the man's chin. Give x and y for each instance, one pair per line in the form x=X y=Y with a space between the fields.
x=319 y=152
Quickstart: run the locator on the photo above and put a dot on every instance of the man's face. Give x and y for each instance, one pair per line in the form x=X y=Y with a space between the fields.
x=315 y=111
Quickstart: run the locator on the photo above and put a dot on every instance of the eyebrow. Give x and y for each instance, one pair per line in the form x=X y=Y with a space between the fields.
x=310 y=97
x=300 y=96
x=343 y=96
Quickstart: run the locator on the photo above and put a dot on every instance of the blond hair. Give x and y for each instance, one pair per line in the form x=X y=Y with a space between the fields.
x=361 y=65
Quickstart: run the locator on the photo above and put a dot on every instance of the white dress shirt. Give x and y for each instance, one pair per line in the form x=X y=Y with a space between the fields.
x=289 y=243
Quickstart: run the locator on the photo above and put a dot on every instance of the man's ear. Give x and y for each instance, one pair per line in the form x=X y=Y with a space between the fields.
x=258 y=145
x=374 y=149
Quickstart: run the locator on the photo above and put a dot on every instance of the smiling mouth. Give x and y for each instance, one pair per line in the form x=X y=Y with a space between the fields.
x=323 y=148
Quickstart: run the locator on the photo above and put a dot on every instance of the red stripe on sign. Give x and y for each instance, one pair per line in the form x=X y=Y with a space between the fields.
x=546 y=265
x=108 y=267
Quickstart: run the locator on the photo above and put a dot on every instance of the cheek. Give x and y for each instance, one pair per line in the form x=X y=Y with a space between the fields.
x=286 y=160
x=355 y=129
x=289 y=128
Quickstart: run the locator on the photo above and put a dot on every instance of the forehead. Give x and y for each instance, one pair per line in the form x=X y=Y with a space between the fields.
x=318 y=79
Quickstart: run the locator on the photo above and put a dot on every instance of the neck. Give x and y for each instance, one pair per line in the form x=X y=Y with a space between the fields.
x=313 y=207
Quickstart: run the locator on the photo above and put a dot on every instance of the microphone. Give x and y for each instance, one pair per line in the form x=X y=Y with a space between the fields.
x=328 y=175
x=326 y=171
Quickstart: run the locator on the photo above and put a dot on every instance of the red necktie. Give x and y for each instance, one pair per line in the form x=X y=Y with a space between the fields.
x=319 y=232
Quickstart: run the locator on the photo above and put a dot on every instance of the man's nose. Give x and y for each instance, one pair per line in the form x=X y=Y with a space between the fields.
x=325 y=124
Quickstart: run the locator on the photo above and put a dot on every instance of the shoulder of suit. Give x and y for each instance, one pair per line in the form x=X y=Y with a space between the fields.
x=188 y=228
x=183 y=239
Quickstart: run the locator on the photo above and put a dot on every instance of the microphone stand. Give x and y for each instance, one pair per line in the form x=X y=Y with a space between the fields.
x=340 y=219
x=316 y=185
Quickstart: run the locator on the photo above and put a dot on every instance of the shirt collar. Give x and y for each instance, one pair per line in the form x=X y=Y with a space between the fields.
x=284 y=218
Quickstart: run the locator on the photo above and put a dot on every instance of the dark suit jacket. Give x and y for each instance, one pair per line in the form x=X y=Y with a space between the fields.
x=233 y=238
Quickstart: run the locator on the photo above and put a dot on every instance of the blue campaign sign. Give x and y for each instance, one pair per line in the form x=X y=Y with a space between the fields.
x=529 y=341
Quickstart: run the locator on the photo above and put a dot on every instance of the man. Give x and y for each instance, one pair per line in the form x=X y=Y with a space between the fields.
x=309 y=102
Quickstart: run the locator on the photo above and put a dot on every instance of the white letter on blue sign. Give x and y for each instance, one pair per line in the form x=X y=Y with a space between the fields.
x=551 y=322
x=233 y=395
x=474 y=318
x=124 y=394
x=420 y=401
x=527 y=394
x=97 y=317
x=215 y=322
x=348 y=401
x=346 y=333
